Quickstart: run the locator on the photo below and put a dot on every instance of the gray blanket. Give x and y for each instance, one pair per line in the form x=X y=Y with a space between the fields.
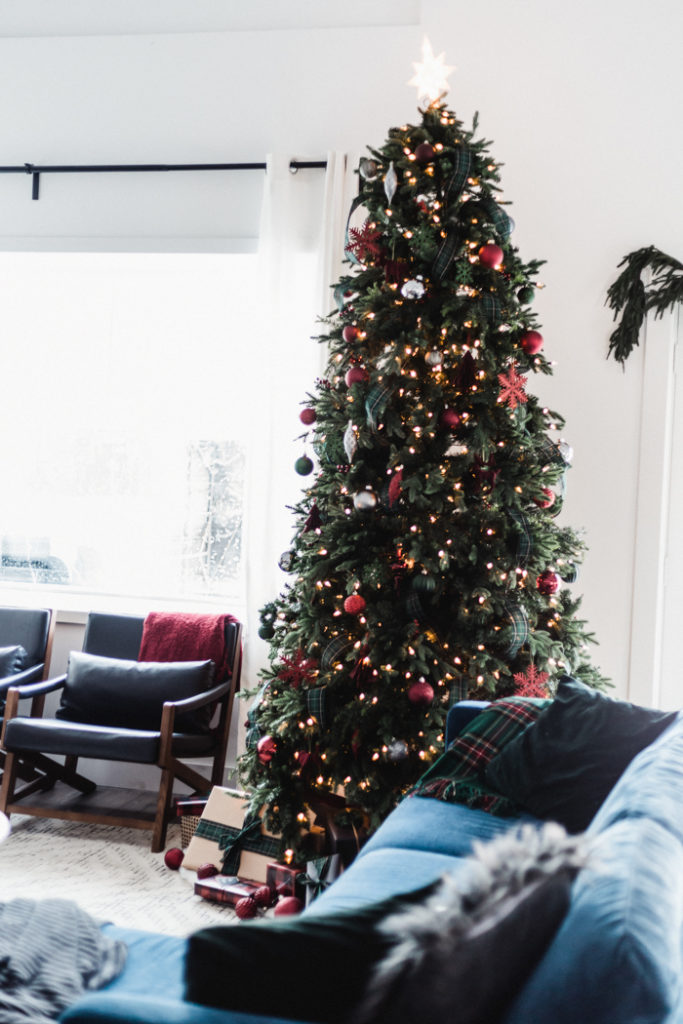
x=51 y=952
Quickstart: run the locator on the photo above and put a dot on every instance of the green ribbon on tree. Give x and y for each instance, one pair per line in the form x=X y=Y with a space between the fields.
x=520 y=627
x=524 y=542
x=446 y=255
x=376 y=403
x=334 y=650
x=490 y=308
x=348 y=252
x=415 y=607
x=316 y=704
x=254 y=730
x=498 y=217
x=462 y=162
x=549 y=453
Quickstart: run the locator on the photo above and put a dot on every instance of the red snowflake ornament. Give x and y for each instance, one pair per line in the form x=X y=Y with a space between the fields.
x=297 y=670
x=364 y=244
x=531 y=683
x=512 y=391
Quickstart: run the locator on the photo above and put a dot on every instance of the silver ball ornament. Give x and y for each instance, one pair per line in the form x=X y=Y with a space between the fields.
x=413 y=289
x=434 y=358
x=397 y=750
x=365 y=501
x=369 y=169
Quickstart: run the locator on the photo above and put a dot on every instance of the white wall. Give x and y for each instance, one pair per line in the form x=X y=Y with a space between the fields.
x=582 y=101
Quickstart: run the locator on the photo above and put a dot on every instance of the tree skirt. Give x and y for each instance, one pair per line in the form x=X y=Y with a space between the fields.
x=108 y=871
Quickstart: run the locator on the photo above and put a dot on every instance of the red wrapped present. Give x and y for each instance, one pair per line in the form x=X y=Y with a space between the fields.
x=285 y=879
x=224 y=889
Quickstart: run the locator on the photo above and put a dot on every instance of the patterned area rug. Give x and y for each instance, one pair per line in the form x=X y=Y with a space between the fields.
x=108 y=871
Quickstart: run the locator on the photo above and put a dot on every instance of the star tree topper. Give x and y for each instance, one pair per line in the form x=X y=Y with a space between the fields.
x=431 y=74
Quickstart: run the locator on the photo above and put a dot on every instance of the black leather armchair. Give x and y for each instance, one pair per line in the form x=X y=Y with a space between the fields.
x=114 y=708
x=31 y=629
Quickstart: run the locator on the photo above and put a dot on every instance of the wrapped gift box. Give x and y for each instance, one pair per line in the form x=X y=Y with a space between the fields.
x=233 y=841
x=224 y=889
x=286 y=880
x=319 y=873
x=189 y=809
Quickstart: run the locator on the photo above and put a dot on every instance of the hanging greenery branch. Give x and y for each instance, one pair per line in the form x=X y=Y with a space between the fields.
x=631 y=298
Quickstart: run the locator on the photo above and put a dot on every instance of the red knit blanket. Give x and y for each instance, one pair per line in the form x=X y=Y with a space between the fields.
x=186 y=636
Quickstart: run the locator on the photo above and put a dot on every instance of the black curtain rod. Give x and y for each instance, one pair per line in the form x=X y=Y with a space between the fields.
x=35 y=170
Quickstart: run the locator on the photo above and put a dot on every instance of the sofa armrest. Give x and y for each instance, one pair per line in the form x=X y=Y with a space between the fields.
x=105 y=1008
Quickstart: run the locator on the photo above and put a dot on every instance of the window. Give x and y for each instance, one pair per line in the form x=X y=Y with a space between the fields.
x=129 y=386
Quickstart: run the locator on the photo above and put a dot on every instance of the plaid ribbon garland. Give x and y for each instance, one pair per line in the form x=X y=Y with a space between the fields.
x=254 y=730
x=348 y=252
x=458 y=690
x=316 y=704
x=445 y=255
x=520 y=627
x=549 y=453
x=414 y=607
x=335 y=650
x=462 y=161
x=490 y=308
x=376 y=403
x=232 y=841
x=524 y=543
x=498 y=217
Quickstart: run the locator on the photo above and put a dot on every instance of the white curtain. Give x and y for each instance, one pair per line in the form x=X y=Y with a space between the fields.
x=300 y=259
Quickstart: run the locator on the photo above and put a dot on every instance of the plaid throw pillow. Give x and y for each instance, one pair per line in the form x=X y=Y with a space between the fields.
x=492 y=729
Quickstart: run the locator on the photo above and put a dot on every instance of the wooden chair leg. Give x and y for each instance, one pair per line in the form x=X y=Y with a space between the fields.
x=9 y=778
x=163 y=810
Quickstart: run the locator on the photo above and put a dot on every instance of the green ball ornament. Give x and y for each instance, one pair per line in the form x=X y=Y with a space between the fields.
x=423 y=584
x=266 y=632
x=526 y=295
x=303 y=465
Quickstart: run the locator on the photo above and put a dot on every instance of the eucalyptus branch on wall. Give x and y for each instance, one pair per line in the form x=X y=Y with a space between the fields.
x=633 y=299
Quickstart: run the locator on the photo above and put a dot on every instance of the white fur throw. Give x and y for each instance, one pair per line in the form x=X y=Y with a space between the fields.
x=462 y=954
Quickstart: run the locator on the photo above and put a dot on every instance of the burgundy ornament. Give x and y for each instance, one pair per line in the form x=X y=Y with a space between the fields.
x=491 y=256
x=547 y=583
x=354 y=604
x=288 y=905
x=531 y=342
x=246 y=907
x=307 y=416
x=207 y=870
x=173 y=858
x=355 y=375
x=548 y=499
x=264 y=896
x=265 y=749
x=350 y=334
x=424 y=152
x=450 y=419
x=421 y=694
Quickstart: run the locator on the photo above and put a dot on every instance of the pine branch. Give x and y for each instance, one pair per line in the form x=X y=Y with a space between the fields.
x=630 y=297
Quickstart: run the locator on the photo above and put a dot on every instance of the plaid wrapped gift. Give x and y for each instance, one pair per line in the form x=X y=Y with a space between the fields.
x=285 y=879
x=224 y=889
x=319 y=874
x=234 y=841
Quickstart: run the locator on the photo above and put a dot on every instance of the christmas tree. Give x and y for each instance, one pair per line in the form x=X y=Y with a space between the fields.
x=426 y=564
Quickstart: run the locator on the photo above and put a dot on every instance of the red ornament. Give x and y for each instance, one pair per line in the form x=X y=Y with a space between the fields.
x=355 y=375
x=450 y=419
x=307 y=416
x=350 y=334
x=264 y=896
x=531 y=342
x=173 y=858
x=424 y=152
x=512 y=391
x=288 y=905
x=491 y=256
x=265 y=749
x=246 y=907
x=548 y=501
x=207 y=871
x=354 y=604
x=547 y=583
x=421 y=694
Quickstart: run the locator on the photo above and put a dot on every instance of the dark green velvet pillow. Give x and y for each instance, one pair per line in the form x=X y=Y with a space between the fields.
x=296 y=967
x=564 y=765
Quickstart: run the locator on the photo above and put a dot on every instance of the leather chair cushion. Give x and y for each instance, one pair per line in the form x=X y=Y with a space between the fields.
x=130 y=694
x=49 y=736
x=12 y=660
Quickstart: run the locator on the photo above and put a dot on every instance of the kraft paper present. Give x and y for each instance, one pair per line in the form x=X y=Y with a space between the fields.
x=227 y=837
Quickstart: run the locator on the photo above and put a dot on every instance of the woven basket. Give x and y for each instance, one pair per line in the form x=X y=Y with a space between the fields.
x=188 y=826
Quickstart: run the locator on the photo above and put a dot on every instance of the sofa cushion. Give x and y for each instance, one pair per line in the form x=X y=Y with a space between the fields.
x=564 y=765
x=432 y=825
x=131 y=694
x=617 y=955
x=12 y=660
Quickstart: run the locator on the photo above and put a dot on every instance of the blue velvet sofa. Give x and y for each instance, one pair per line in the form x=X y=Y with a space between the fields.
x=616 y=958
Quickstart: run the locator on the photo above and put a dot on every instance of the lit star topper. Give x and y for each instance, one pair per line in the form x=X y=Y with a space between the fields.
x=430 y=78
